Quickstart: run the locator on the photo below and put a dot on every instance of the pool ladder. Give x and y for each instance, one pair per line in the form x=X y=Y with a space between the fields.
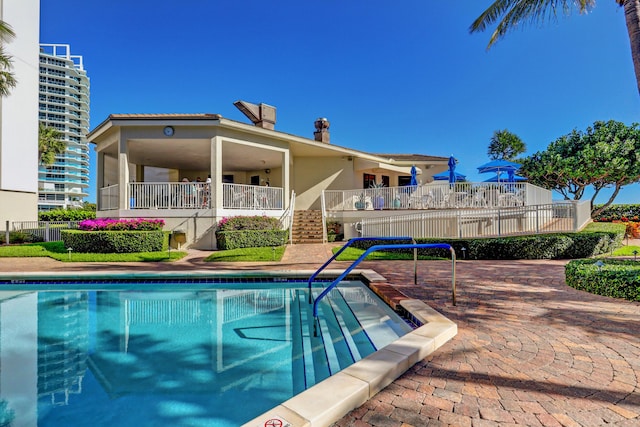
x=413 y=245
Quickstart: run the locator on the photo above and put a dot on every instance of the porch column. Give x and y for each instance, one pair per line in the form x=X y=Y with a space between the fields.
x=123 y=172
x=100 y=180
x=285 y=179
x=100 y=167
x=216 y=172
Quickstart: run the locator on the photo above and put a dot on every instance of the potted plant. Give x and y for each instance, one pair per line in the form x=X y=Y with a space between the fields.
x=378 y=195
x=360 y=201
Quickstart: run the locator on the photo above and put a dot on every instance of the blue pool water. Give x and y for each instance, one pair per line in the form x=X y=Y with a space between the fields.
x=197 y=355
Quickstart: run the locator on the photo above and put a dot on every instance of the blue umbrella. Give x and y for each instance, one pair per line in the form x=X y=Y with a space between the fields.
x=503 y=178
x=414 y=176
x=452 y=170
x=499 y=166
x=444 y=176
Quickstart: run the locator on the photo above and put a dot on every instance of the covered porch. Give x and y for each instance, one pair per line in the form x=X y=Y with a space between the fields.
x=190 y=163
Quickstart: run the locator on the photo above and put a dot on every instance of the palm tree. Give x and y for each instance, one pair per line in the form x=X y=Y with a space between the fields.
x=50 y=143
x=7 y=81
x=508 y=14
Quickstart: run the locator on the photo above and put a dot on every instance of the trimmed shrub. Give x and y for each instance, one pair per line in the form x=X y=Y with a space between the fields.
x=615 y=278
x=66 y=215
x=23 y=237
x=622 y=213
x=248 y=223
x=249 y=232
x=543 y=246
x=115 y=241
x=250 y=238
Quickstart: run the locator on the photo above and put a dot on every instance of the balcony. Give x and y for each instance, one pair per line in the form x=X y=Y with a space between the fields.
x=192 y=195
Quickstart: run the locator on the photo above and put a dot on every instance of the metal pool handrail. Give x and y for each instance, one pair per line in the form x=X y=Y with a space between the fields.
x=378 y=248
x=357 y=239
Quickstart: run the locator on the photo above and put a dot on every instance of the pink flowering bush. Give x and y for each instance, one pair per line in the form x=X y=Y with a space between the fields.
x=106 y=224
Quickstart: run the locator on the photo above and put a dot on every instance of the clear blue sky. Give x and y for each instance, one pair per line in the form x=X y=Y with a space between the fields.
x=392 y=77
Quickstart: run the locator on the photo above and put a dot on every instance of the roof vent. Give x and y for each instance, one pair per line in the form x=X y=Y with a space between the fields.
x=262 y=115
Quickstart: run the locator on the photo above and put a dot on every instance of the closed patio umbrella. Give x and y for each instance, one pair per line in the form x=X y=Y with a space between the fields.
x=414 y=176
x=452 y=170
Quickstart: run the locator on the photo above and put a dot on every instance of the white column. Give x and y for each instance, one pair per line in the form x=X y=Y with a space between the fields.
x=286 y=185
x=123 y=172
x=216 y=172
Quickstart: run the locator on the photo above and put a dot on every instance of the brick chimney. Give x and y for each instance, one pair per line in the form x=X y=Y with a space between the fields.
x=322 y=130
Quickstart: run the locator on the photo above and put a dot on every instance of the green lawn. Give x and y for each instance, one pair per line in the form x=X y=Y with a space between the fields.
x=56 y=250
x=247 y=255
x=627 y=251
x=352 y=254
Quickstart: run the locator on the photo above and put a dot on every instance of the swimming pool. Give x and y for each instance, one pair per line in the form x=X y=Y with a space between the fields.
x=103 y=353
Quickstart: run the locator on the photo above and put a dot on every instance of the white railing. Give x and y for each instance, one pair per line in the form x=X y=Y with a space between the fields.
x=192 y=195
x=169 y=195
x=556 y=217
x=48 y=231
x=286 y=220
x=438 y=195
x=241 y=196
x=109 y=197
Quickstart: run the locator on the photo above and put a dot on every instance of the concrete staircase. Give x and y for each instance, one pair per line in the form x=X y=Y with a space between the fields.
x=307 y=227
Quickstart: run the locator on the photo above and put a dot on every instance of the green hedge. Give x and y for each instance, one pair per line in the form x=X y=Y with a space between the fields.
x=115 y=241
x=615 y=278
x=66 y=215
x=250 y=238
x=617 y=212
x=543 y=246
x=248 y=223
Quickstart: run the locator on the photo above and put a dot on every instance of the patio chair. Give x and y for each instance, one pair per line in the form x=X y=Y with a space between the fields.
x=445 y=200
x=479 y=200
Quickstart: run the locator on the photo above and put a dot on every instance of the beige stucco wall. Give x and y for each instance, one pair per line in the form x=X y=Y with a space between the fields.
x=17 y=206
x=309 y=176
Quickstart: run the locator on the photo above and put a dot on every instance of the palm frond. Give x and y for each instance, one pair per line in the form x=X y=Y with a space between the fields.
x=6 y=33
x=509 y=14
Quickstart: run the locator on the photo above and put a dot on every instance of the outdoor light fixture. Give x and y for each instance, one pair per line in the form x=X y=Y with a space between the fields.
x=267 y=171
x=599 y=264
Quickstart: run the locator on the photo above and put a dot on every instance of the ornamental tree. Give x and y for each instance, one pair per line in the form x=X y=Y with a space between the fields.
x=606 y=155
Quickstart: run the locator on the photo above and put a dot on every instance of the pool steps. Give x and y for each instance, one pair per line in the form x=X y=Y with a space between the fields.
x=332 y=398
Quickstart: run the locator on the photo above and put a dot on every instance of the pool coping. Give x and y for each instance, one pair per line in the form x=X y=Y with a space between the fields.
x=331 y=399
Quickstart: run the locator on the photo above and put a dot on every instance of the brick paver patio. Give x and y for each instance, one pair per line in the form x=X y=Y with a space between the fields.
x=529 y=351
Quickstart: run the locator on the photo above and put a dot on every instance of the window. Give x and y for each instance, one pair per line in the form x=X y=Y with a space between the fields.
x=367 y=180
x=385 y=180
x=404 y=180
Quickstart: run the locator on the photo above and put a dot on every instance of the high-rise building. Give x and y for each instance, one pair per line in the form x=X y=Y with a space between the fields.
x=18 y=115
x=64 y=105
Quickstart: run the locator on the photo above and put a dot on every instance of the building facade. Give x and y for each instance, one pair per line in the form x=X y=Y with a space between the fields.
x=64 y=105
x=18 y=115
